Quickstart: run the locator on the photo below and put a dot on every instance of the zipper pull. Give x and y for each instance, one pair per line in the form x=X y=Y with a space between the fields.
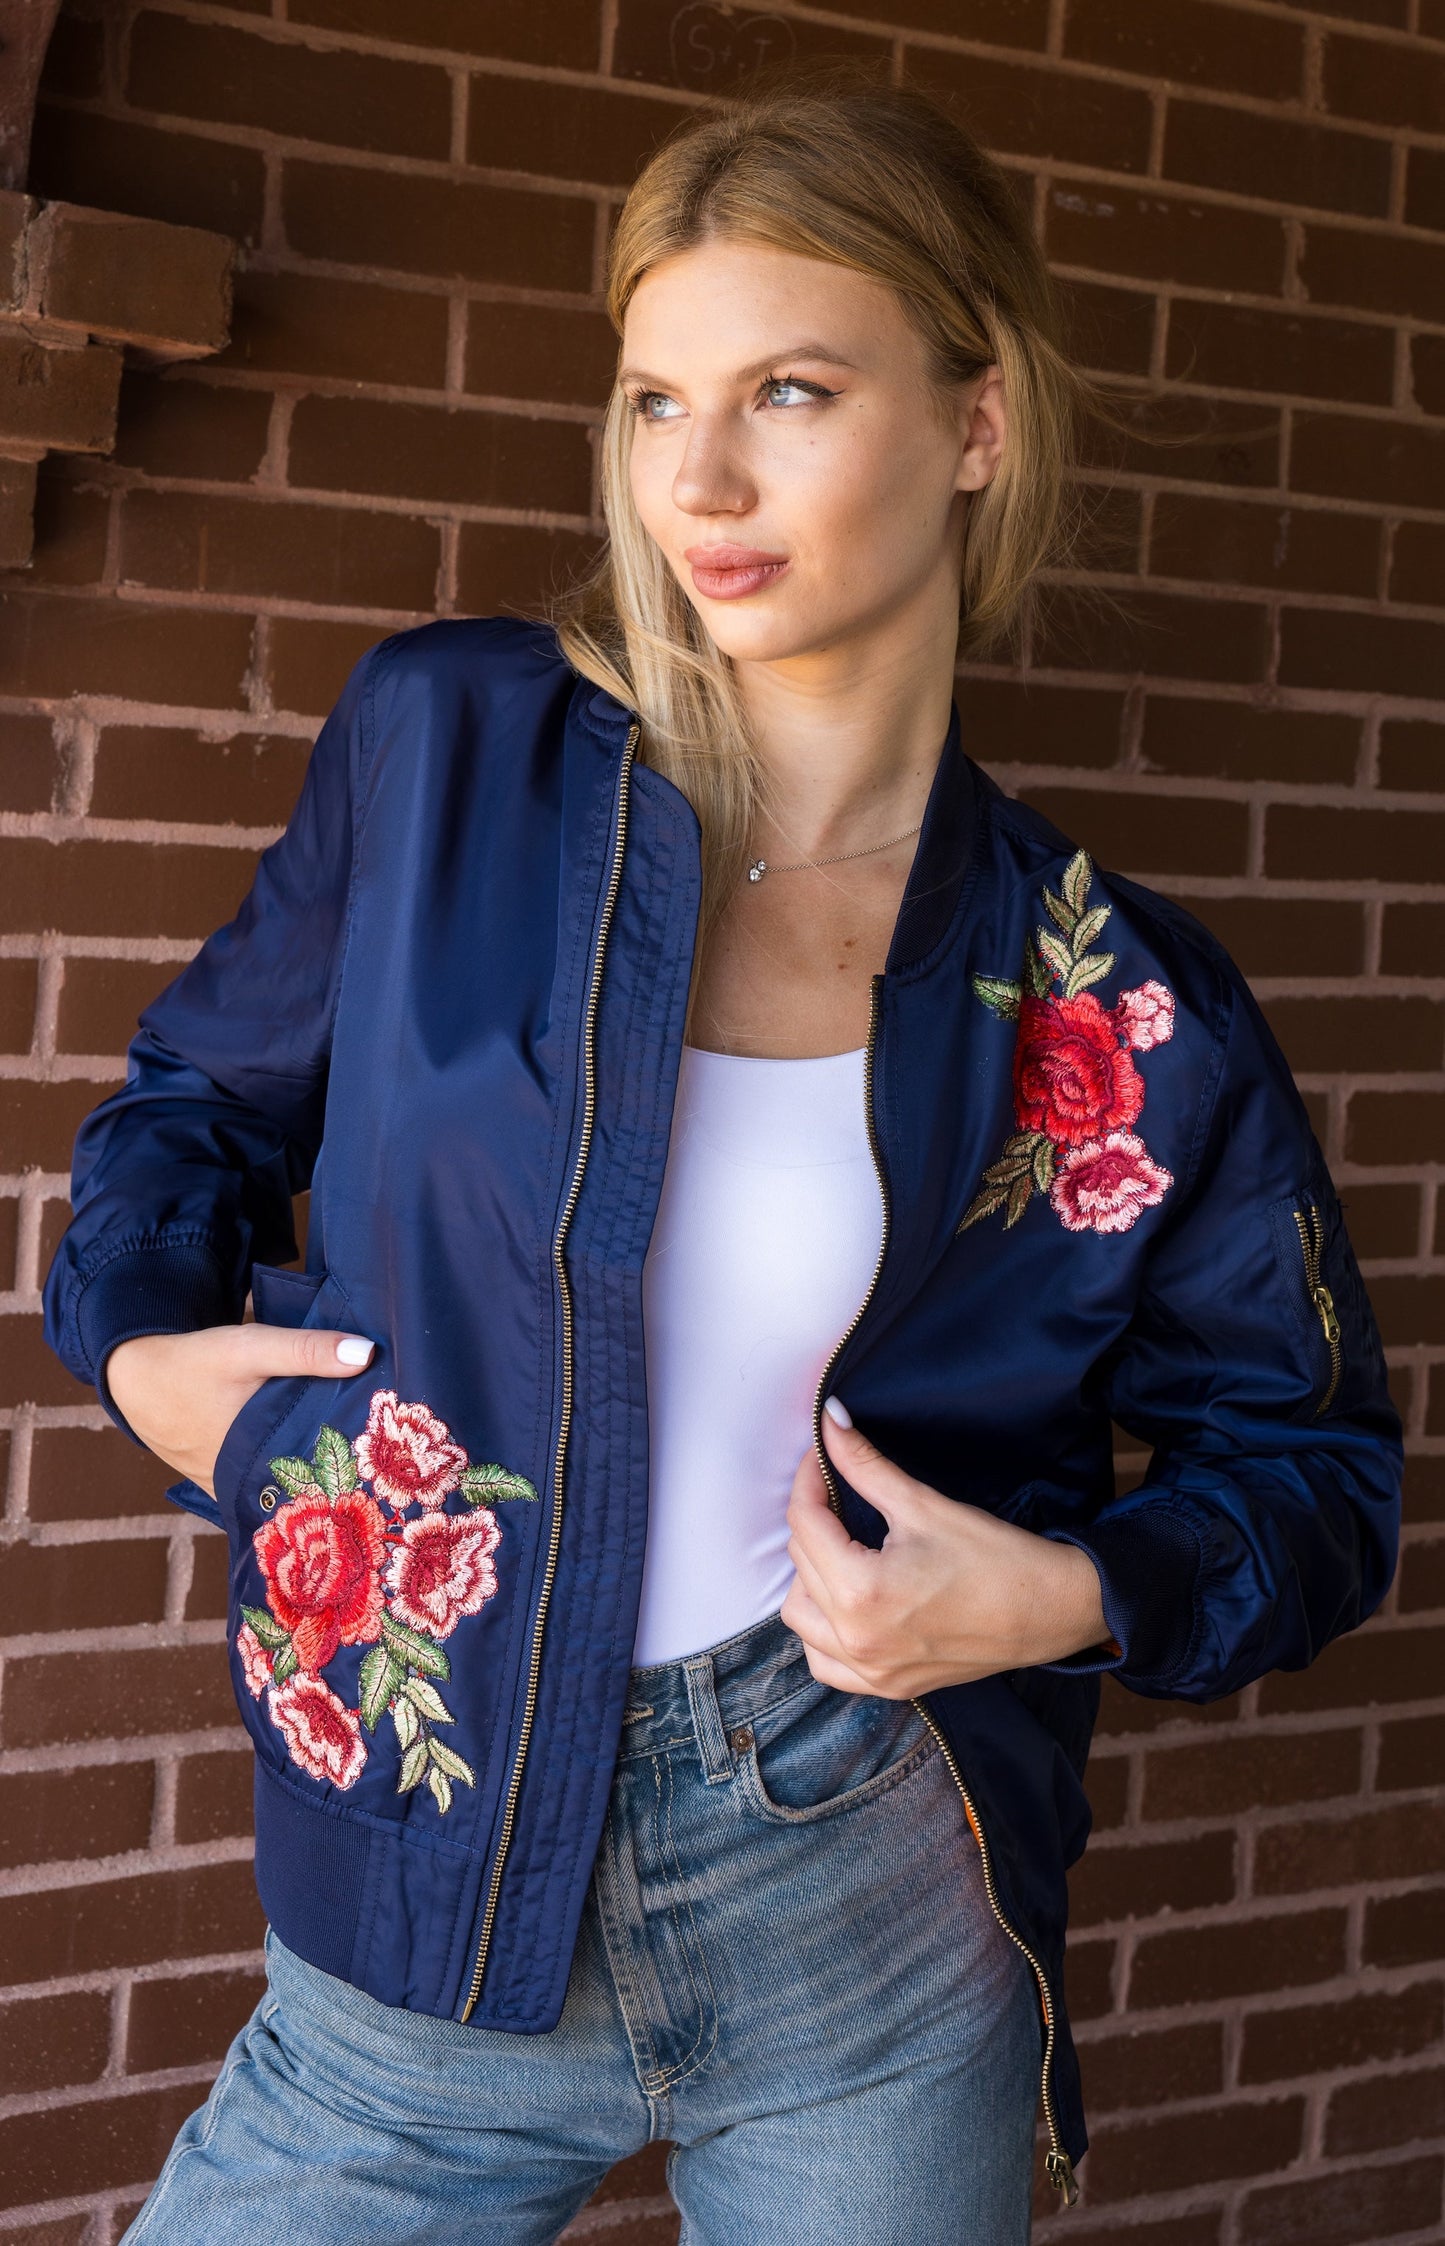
x=1324 y=1303
x=1060 y=2171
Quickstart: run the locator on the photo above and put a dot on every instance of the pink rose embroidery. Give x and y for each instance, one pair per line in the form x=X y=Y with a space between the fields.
x=1072 y=1077
x=322 y=1562
x=407 y=1454
x=1146 y=1016
x=1103 y=1187
x=255 y=1661
x=442 y=1569
x=322 y=1734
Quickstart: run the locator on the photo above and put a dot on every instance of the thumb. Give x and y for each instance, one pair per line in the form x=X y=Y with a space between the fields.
x=302 y=1349
x=875 y=1477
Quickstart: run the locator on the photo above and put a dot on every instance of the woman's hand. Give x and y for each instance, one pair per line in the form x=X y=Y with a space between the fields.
x=180 y=1392
x=952 y=1594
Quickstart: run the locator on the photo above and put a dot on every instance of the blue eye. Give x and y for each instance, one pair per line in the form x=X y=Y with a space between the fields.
x=805 y=390
x=645 y=400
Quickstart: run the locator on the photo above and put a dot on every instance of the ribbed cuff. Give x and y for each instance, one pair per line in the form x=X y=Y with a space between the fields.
x=1150 y=1558
x=153 y=1290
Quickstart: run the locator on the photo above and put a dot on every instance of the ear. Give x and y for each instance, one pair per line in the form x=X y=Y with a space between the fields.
x=983 y=429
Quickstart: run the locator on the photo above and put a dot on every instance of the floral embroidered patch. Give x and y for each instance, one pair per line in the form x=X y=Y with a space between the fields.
x=1077 y=1091
x=343 y=1568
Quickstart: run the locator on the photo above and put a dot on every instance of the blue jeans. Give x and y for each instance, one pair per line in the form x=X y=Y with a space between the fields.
x=787 y=1965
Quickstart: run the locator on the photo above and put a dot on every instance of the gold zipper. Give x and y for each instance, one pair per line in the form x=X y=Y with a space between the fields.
x=1057 y=2164
x=1312 y=1240
x=588 y=1104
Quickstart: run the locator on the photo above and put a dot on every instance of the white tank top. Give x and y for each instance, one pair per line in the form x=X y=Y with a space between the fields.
x=766 y=1237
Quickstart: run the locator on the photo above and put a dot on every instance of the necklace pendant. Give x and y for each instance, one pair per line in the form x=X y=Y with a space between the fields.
x=757 y=869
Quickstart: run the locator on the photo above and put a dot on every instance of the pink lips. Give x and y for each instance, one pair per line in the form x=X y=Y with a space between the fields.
x=729 y=572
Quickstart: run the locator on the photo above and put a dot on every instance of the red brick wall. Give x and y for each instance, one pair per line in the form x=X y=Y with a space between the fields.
x=1246 y=200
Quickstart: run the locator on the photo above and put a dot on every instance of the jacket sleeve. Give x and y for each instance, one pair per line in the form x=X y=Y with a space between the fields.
x=183 y=1178
x=1268 y=1523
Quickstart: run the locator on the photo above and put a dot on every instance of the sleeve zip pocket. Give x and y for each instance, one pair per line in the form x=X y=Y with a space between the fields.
x=1311 y=1227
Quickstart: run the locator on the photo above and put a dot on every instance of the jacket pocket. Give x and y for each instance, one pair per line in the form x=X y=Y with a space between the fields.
x=280 y=1298
x=1333 y=1322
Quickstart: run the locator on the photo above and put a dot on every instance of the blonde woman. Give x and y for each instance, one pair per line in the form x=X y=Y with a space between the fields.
x=686 y=1741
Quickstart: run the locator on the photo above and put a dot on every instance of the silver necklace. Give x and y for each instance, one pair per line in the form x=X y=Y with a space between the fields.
x=760 y=866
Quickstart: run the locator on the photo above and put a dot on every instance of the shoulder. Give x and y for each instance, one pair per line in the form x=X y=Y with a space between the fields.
x=480 y=651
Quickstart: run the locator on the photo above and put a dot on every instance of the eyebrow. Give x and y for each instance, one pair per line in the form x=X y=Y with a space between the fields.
x=816 y=351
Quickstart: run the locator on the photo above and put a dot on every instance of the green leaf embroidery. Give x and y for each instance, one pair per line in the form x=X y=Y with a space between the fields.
x=267 y=1629
x=1092 y=968
x=1088 y=926
x=487 y=1485
x=1036 y=971
x=1043 y=1169
x=425 y=1696
x=292 y=1473
x=1058 y=955
x=333 y=1466
x=445 y=1758
x=406 y=1720
x=983 y=1205
x=380 y=1676
x=1060 y=913
x=413 y=1767
x=285 y=1664
x=1020 y=1193
x=1077 y=875
x=410 y=1646
x=441 y=1787
x=1001 y=997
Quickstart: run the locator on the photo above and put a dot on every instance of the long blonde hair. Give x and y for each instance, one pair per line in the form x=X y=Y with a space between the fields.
x=835 y=165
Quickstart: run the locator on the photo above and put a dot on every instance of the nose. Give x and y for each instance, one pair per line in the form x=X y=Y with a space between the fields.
x=712 y=476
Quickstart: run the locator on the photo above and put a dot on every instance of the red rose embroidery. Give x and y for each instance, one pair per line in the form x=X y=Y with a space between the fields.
x=255 y=1661
x=407 y=1454
x=1103 y=1187
x=1146 y=1016
x=442 y=1569
x=1072 y=1077
x=322 y=1734
x=322 y=1559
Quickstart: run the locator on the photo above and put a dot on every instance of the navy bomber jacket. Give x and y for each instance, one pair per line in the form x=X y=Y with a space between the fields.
x=452 y=1003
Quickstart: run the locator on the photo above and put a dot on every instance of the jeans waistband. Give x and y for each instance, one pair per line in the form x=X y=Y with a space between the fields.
x=707 y=1694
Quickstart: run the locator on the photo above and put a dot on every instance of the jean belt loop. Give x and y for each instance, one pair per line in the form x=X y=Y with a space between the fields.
x=707 y=1723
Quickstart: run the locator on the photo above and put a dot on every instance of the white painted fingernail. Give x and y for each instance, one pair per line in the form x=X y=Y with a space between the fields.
x=837 y=1410
x=354 y=1349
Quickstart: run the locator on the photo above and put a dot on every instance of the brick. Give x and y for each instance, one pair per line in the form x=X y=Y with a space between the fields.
x=95 y=888
x=38 y=1123
x=49 y=2042
x=1037 y=112
x=152 y=171
x=540 y=351
x=1218 y=1778
x=1273 y=159
x=1154 y=834
x=1417 y=562
x=101 y=1001
x=469 y=458
x=1137 y=1880
x=1353 y=2205
x=1425 y=188
x=9 y=1240
x=75 y=57
x=1412 y=939
x=320 y=324
x=30 y=1372
x=1405 y=1929
x=1210 y=2145
x=1342 y=456
x=51 y=1697
x=1410 y=1306
x=1168 y=635
x=715 y=50
x=54 y=646
x=1149 y=2066
x=1404 y=1841
x=516 y=568
x=55 y=395
x=144 y=772
x=1005 y=722
x=565 y=35
x=1390 y=82
x=1158 y=235
x=1201 y=2228
x=1362 y=654
x=210 y=1574
x=1392 y=2109
x=18 y=985
x=49 y=1588
x=169 y=425
x=131 y=280
x=337 y=556
x=1190 y=42
x=187 y=2019
x=148 y=1919
x=309 y=659
x=1383 y=1220
x=1325 y=2038
x=1284 y=936
x=597 y=133
x=1412 y=1754
x=1361 y=1668
x=1400 y=272
x=98 y=1809
x=1122 y=1713
x=465 y=230
x=642 y=2175
x=1208 y=1964
x=1108 y=1789
x=214 y=1795
x=70 y=524
x=1424 y=1488
x=29 y=765
x=1395 y=1126
x=1366 y=1035
x=1088 y=1975
x=120 y=2139
x=1316 y=842
x=1422 y=1577
x=275 y=84
x=1297 y=549
x=84 y=1473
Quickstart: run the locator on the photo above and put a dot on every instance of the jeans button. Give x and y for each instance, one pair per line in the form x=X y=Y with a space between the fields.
x=741 y=1739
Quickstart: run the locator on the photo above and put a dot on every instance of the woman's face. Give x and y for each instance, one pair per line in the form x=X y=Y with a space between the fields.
x=789 y=457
